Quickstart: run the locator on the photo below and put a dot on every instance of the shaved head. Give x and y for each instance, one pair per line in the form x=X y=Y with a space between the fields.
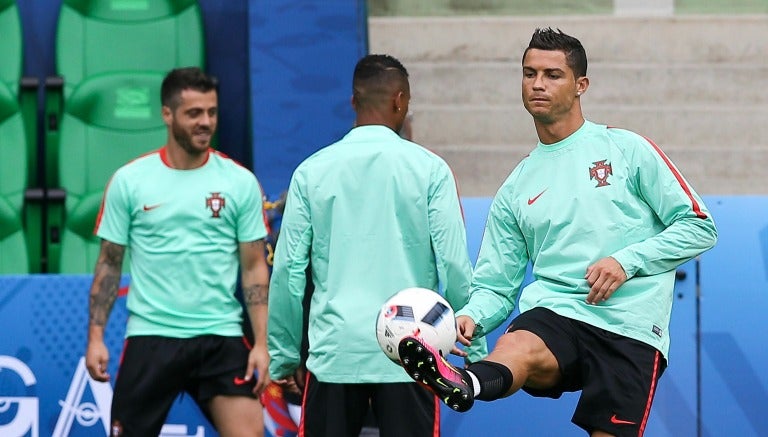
x=376 y=79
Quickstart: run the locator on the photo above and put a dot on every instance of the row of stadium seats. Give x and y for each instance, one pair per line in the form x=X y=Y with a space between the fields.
x=100 y=111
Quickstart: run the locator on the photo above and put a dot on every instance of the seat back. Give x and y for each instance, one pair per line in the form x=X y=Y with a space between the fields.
x=11 y=46
x=109 y=120
x=97 y=36
x=14 y=257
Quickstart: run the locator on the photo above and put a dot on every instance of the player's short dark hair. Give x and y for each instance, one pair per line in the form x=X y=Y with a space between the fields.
x=180 y=79
x=377 y=66
x=375 y=75
x=549 y=39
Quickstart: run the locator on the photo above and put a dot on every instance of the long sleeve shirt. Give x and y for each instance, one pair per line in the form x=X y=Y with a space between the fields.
x=599 y=192
x=374 y=214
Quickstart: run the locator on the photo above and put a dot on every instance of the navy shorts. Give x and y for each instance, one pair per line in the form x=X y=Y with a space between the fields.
x=155 y=370
x=617 y=375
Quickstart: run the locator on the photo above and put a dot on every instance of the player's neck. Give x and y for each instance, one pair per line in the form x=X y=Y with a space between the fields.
x=180 y=159
x=376 y=118
x=551 y=133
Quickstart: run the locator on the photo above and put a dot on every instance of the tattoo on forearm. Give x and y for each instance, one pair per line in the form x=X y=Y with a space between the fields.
x=106 y=282
x=256 y=294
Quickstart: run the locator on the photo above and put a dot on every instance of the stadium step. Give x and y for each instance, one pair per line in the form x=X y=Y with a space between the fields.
x=683 y=81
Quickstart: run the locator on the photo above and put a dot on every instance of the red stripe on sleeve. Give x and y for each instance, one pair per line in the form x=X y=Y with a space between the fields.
x=694 y=204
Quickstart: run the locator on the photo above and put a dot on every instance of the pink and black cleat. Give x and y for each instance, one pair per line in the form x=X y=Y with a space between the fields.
x=425 y=365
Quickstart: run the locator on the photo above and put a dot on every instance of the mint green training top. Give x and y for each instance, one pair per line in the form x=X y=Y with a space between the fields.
x=600 y=192
x=182 y=228
x=375 y=214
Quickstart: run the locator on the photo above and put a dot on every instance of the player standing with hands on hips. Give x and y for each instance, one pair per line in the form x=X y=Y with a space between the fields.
x=375 y=214
x=190 y=217
x=605 y=218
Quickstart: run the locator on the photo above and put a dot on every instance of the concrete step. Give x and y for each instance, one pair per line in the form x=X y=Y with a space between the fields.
x=698 y=38
x=498 y=83
x=710 y=169
x=695 y=125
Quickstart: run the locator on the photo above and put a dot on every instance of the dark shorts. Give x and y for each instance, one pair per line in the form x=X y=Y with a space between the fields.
x=340 y=410
x=154 y=370
x=617 y=375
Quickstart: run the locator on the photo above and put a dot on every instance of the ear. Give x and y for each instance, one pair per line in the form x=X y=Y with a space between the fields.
x=398 y=103
x=353 y=102
x=167 y=115
x=582 y=84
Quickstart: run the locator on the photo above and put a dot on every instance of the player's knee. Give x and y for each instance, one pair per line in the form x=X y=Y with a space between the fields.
x=525 y=348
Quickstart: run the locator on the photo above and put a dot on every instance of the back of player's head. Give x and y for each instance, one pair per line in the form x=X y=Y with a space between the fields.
x=180 y=79
x=549 y=39
x=376 y=78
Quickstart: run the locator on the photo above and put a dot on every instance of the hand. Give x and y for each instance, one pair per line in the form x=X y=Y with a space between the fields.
x=96 y=360
x=258 y=360
x=465 y=329
x=293 y=383
x=604 y=277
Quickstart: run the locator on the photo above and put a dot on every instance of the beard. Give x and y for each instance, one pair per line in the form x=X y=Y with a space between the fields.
x=185 y=139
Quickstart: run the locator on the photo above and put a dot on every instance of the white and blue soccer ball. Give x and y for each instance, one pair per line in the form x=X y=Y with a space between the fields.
x=417 y=312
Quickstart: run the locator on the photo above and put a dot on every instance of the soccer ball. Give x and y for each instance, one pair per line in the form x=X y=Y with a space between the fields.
x=417 y=312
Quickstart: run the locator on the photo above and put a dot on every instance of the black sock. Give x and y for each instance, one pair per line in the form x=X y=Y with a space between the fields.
x=495 y=379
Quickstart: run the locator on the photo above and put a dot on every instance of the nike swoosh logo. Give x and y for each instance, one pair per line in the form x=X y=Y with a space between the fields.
x=151 y=207
x=533 y=199
x=618 y=421
x=240 y=381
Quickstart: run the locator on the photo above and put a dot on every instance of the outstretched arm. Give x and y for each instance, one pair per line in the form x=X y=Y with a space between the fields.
x=106 y=281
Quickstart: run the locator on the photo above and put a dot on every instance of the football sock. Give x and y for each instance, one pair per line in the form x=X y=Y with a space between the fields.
x=494 y=379
x=475 y=383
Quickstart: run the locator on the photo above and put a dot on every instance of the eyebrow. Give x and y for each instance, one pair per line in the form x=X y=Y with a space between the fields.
x=546 y=70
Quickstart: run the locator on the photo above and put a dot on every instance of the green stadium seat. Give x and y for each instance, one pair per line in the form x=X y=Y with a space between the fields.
x=10 y=44
x=99 y=36
x=14 y=257
x=23 y=92
x=103 y=107
x=109 y=120
x=102 y=36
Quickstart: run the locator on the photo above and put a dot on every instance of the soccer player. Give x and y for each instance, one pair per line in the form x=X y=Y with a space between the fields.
x=189 y=217
x=374 y=213
x=605 y=218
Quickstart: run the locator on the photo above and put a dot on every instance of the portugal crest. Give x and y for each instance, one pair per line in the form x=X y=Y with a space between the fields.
x=600 y=172
x=215 y=203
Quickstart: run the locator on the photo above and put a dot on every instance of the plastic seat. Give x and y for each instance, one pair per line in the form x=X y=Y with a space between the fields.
x=10 y=44
x=98 y=36
x=95 y=37
x=91 y=130
x=19 y=103
x=109 y=120
x=14 y=257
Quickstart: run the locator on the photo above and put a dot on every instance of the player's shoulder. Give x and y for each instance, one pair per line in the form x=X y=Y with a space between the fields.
x=140 y=165
x=230 y=165
x=622 y=136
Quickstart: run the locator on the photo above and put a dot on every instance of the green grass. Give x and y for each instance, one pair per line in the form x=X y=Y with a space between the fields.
x=547 y=7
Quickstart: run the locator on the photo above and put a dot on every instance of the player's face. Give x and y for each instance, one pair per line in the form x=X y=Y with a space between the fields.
x=549 y=86
x=193 y=123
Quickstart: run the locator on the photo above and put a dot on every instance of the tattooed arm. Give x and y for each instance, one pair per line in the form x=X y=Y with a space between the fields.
x=255 y=283
x=106 y=281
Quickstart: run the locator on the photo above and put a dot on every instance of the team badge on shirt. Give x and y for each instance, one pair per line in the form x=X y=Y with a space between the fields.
x=600 y=172
x=215 y=203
